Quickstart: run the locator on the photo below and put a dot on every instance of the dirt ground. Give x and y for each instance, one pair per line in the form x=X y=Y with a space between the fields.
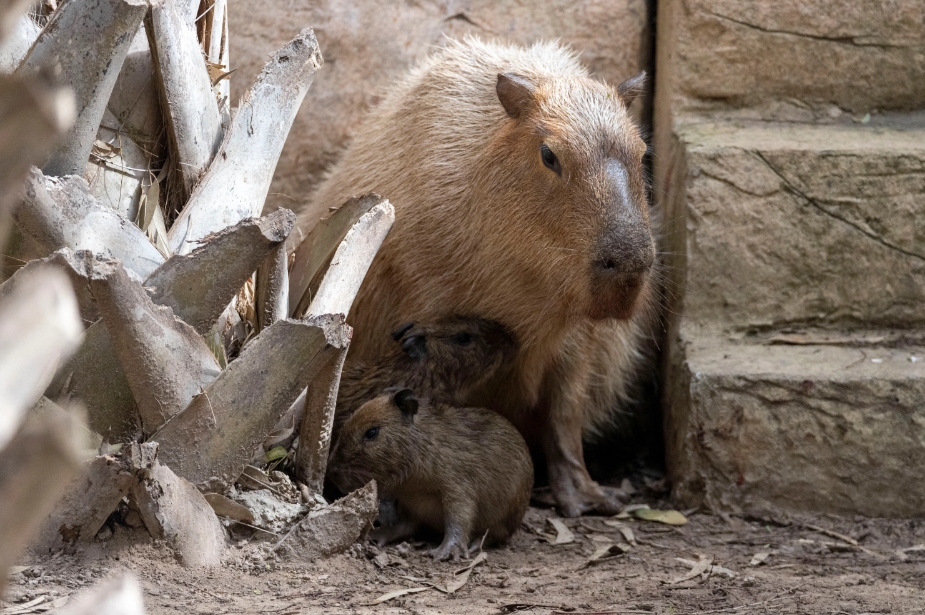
x=812 y=567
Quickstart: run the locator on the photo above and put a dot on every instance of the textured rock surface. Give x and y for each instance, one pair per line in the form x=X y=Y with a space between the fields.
x=782 y=223
x=858 y=54
x=810 y=427
x=366 y=44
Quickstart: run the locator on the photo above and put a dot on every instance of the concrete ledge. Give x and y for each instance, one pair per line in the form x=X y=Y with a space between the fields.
x=860 y=55
x=782 y=223
x=759 y=427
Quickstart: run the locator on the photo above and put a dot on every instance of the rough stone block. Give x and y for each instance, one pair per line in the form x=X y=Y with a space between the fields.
x=368 y=43
x=783 y=223
x=857 y=54
x=759 y=427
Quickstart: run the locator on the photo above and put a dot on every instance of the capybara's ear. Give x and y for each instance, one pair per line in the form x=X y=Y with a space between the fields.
x=631 y=88
x=515 y=93
x=415 y=347
x=407 y=403
x=399 y=332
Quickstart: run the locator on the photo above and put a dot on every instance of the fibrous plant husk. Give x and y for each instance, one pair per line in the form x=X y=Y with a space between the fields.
x=211 y=441
x=173 y=509
x=194 y=124
x=198 y=288
x=91 y=498
x=87 y=42
x=165 y=361
x=236 y=184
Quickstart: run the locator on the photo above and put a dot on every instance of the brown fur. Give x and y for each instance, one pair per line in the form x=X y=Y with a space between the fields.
x=483 y=227
x=444 y=361
x=462 y=471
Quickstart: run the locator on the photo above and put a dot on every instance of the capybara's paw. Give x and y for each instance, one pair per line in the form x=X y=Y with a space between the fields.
x=588 y=497
x=450 y=548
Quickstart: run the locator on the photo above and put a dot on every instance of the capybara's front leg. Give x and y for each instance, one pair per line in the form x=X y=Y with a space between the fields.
x=459 y=511
x=572 y=488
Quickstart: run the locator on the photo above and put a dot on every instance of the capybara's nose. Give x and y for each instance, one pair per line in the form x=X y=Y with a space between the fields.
x=625 y=255
x=619 y=274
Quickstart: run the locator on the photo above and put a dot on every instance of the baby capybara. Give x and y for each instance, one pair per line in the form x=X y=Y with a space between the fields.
x=462 y=471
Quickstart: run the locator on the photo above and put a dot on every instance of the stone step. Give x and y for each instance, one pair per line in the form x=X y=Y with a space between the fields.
x=782 y=223
x=857 y=54
x=757 y=427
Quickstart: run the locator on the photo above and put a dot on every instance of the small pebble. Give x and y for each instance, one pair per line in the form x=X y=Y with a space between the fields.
x=876 y=360
x=914 y=359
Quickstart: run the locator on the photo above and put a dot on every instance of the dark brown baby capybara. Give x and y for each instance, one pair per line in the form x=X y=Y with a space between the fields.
x=444 y=361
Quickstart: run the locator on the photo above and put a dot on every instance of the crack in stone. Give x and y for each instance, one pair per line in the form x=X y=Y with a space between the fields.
x=845 y=40
x=733 y=185
x=813 y=202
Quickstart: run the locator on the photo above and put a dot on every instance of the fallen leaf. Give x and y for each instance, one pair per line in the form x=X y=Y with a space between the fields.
x=605 y=552
x=279 y=436
x=22 y=609
x=563 y=534
x=629 y=509
x=397 y=594
x=624 y=530
x=759 y=558
x=697 y=569
x=225 y=507
x=669 y=517
x=462 y=576
x=381 y=560
x=277 y=452
x=822 y=530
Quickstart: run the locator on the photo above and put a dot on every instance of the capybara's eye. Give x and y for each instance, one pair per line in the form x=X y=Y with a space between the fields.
x=371 y=433
x=463 y=339
x=549 y=159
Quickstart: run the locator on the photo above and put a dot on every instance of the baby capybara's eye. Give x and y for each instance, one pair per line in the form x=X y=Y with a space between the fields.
x=371 y=433
x=462 y=339
x=549 y=159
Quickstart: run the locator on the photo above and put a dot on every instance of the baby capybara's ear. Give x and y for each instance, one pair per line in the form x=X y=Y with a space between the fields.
x=407 y=403
x=415 y=347
x=515 y=93
x=399 y=332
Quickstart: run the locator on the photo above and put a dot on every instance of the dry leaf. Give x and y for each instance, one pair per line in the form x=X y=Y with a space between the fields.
x=397 y=594
x=605 y=552
x=277 y=452
x=669 y=517
x=22 y=609
x=217 y=72
x=462 y=575
x=279 y=436
x=699 y=568
x=225 y=507
x=381 y=560
x=759 y=558
x=563 y=534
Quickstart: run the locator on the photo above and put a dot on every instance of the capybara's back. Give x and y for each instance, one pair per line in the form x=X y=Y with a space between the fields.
x=519 y=193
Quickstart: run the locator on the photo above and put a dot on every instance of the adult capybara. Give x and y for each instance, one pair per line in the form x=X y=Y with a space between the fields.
x=519 y=193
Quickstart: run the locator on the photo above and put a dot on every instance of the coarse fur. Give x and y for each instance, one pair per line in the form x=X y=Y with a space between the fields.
x=444 y=361
x=461 y=471
x=483 y=227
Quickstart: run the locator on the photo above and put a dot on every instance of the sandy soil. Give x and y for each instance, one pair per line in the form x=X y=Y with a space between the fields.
x=807 y=571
